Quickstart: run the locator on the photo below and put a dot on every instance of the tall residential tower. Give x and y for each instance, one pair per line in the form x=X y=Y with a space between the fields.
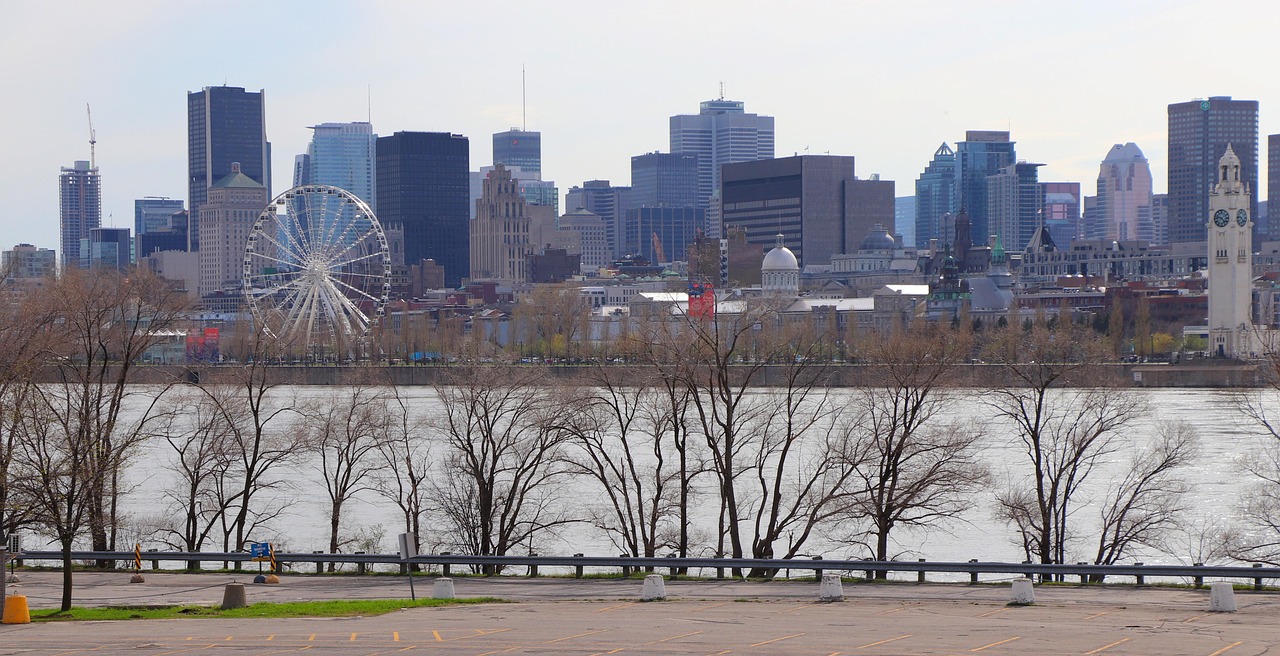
x=79 y=208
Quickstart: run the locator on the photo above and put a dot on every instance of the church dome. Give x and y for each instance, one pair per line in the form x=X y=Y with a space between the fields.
x=878 y=239
x=780 y=259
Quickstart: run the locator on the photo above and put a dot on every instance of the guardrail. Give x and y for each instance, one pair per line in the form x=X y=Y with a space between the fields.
x=626 y=564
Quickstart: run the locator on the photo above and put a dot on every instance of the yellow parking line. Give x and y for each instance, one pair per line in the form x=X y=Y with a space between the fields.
x=996 y=644
x=677 y=637
x=881 y=642
x=437 y=635
x=1228 y=647
x=605 y=610
x=408 y=648
x=1106 y=647
x=395 y=636
x=890 y=612
x=230 y=637
x=353 y=637
x=1194 y=618
x=311 y=637
x=502 y=651
x=579 y=635
x=994 y=612
x=270 y=638
x=766 y=642
x=708 y=607
x=1089 y=617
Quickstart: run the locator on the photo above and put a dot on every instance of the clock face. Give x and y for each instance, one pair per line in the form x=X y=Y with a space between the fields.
x=1242 y=217
x=1221 y=218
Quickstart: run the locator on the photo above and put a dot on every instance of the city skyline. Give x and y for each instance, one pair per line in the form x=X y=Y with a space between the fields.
x=879 y=83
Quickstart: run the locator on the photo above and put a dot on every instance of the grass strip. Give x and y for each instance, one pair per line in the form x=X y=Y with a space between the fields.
x=330 y=608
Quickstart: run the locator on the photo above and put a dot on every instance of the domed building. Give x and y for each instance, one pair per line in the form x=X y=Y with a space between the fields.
x=780 y=271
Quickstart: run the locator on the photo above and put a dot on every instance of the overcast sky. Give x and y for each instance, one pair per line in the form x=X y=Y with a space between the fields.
x=886 y=82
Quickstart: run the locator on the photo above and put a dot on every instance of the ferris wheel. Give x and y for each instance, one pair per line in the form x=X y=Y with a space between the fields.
x=317 y=269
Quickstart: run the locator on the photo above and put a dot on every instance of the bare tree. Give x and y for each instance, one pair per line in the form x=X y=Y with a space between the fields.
x=1064 y=432
x=24 y=331
x=1144 y=506
x=344 y=429
x=406 y=458
x=256 y=416
x=106 y=321
x=619 y=424
x=917 y=469
x=504 y=440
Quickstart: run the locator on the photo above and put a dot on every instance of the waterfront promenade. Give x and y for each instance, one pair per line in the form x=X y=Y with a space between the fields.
x=568 y=616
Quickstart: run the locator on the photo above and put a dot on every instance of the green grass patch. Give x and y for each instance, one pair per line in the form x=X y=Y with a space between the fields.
x=331 y=608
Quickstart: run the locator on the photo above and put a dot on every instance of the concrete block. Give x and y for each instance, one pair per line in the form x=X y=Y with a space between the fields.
x=1024 y=593
x=654 y=588
x=1222 y=598
x=831 y=588
x=442 y=589
x=233 y=596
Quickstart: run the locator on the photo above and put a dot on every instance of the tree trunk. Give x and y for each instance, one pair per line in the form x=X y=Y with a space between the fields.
x=66 y=576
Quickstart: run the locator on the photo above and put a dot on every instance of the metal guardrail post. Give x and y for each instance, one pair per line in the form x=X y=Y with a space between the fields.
x=973 y=574
x=319 y=564
x=674 y=570
x=1257 y=581
x=817 y=571
x=360 y=567
x=1084 y=578
x=533 y=567
x=1199 y=579
x=444 y=568
x=920 y=574
x=155 y=564
x=626 y=571
x=719 y=569
x=1142 y=580
x=577 y=569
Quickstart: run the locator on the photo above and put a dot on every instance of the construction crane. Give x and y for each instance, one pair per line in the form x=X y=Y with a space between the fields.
x=657 y=248
x=93 y=138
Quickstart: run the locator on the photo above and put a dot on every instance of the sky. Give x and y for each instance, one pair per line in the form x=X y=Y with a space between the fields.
x=886 y=82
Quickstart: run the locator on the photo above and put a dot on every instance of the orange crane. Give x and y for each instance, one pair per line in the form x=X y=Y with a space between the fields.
x=657 y=249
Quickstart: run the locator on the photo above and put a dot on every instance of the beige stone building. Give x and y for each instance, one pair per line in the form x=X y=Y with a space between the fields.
x=507 y=230
x=226 y=219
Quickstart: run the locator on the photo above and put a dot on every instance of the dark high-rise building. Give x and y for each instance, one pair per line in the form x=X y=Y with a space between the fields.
x=423 y=185
x=982 y=154
x=106 y=247
x=79 y=208
x=674 y=227
x=935 y=196
x=1061 y=213
x=519 y=148
x=1199 y=133
x=224 y=125
x=664 y=180
x=814 y=201
x=1273 y=186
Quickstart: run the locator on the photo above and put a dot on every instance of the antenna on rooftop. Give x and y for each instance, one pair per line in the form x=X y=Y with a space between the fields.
x=93 y=138
x=368 y=97
x=722 y=90
x=524 y=104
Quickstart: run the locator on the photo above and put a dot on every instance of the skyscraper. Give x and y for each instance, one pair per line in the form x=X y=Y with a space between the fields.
x=664 y=180
x=423 y=186
x=341 y=155
x=1273 y=187
x=106 y=247
x=1061 y=214
x=983 y=153
x=609 y=202
x=522 y=148
x=935 y=196
x=226 y=217
x=1199 y=133
x=1015 y=204
x=154 y=213
x=224 y=125
x=722 y=132
x=1124 y=196
x=79 y=208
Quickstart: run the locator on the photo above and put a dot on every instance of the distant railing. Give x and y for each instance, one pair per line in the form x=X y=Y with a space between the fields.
x=625 y=565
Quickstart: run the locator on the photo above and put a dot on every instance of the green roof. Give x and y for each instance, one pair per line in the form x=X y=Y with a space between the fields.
x=236 y=180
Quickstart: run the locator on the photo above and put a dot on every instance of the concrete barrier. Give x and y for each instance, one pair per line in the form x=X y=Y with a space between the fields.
x=15 y=610
x=233 y=596
x=443 y=588
x=1024 y=593
x=1222 y=597
x=831 y=588
x=654 y=588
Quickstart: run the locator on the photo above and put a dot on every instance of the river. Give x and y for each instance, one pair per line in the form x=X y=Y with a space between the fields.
x=1217 y=483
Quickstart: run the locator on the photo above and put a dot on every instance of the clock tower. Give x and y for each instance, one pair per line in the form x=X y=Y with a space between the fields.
x=1230 y=240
